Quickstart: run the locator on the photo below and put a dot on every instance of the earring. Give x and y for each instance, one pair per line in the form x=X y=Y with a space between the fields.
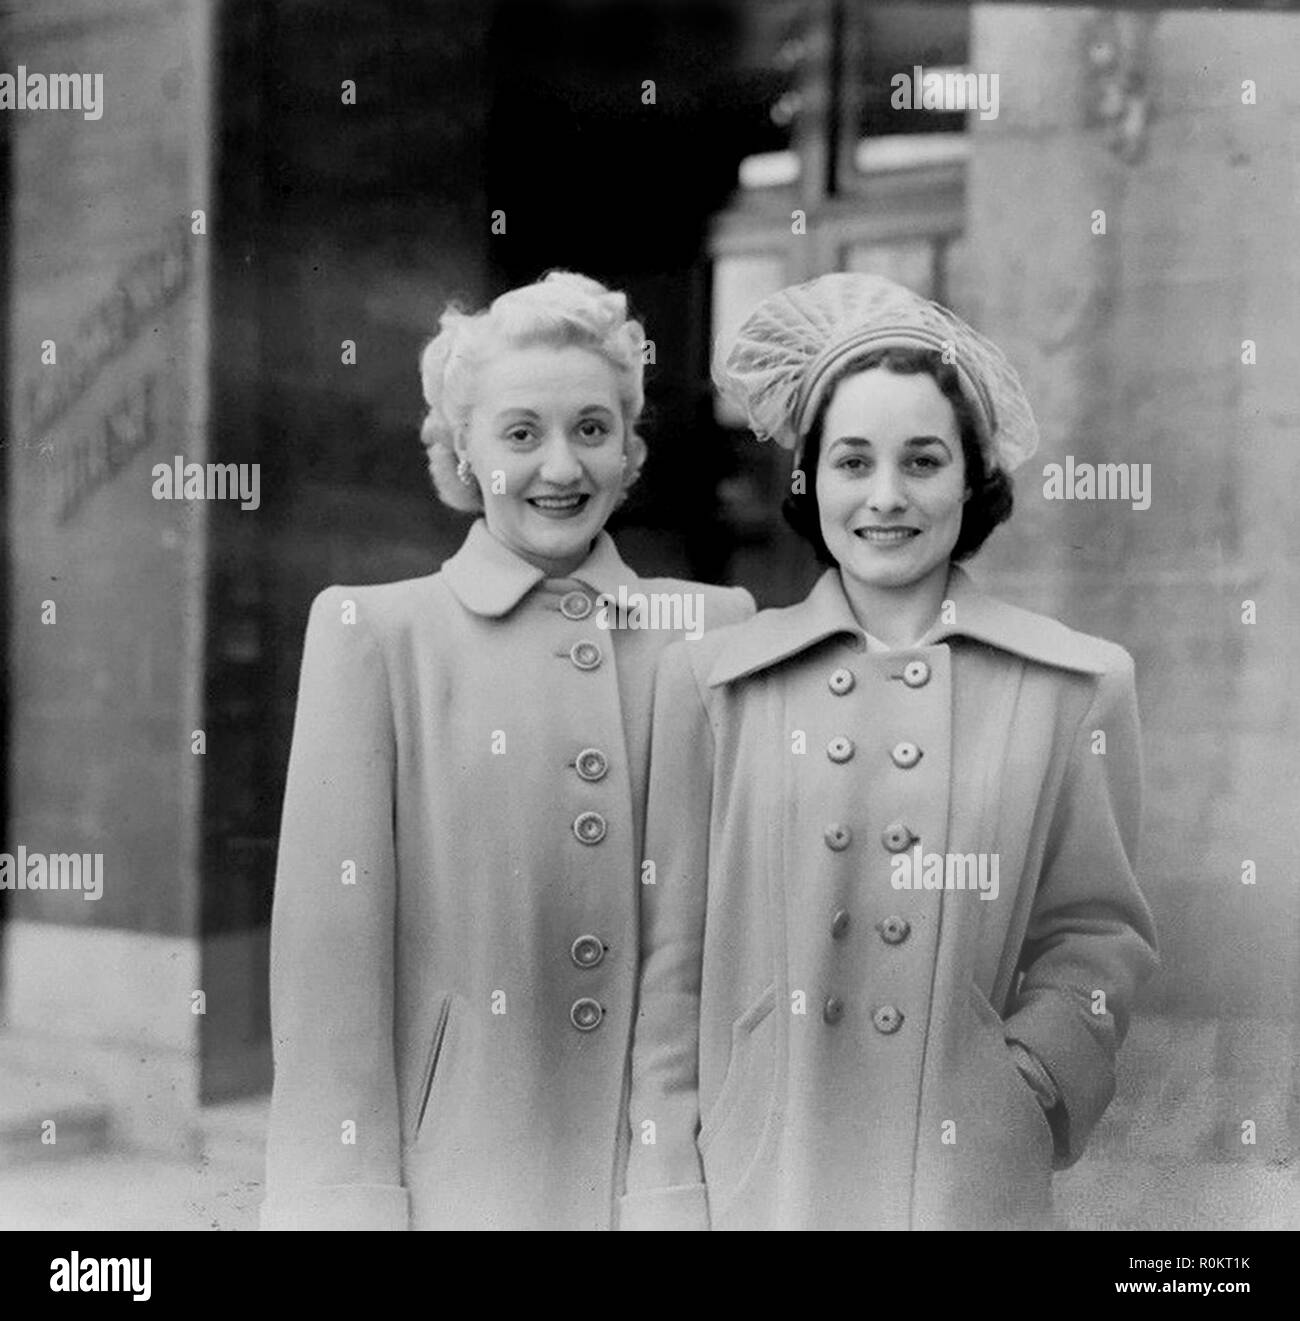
x=624 y=460
x=462 y=470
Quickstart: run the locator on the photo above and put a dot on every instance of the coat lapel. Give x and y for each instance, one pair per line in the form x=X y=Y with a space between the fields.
x=489 y=579
x=774 y=636
x=983 y=618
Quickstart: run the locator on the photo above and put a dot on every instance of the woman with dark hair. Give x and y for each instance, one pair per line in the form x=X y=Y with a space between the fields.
x=991 y=495
x=895 y=933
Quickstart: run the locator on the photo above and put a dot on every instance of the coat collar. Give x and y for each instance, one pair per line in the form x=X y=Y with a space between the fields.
x=489 y=579
x=773 y=636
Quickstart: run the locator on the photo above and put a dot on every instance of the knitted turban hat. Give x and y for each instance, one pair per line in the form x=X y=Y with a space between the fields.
x=786 y=355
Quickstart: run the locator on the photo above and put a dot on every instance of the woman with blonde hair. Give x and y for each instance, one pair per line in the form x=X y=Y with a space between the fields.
x=454 y=936
x=896 y=933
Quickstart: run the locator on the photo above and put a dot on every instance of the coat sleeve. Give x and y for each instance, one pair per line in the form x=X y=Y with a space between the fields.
x=665 y=1179
x=1090 y=941
x=333 y=1148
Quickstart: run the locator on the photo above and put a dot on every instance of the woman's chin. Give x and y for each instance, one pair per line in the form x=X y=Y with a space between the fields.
x=889 y=569
x=561 y=538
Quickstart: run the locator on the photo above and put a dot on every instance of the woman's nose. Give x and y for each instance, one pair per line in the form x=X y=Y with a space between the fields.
x=886 y=494
x=559 y=463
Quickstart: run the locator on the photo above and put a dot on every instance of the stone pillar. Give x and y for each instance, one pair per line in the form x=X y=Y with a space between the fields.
x=1131 y=346
x=107 y=376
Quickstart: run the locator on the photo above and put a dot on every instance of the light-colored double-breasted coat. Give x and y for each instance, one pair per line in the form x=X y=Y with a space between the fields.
x=818 y=1046
x=455 y=919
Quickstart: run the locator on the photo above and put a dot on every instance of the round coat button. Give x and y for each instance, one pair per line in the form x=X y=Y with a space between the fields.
x=585 y=655
x=905 y=755
x=833 y=1009
x=587 y=951
x=589 y=827
x=887 y=1019
x=840 y=749
x=894 y=930
x=838 y=837
x=586 y=1014
x=575 y=605
x=591 y=764
x=840 y=923
x=897 y=837
x=841 y=682
x=916 y=674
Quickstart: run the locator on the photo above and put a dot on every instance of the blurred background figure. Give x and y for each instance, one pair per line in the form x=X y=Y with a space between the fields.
x=238 y=263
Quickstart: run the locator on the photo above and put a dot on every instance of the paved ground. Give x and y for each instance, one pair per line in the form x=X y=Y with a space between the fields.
x=124 y=1191
x=91 y=1183
x=1169 y=1154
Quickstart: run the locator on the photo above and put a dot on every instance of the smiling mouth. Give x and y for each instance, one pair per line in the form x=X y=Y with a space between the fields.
x=887 y=536
x=559 y=506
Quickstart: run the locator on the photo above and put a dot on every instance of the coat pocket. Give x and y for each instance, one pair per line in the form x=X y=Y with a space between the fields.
x=993 y=1024
x=731 y=1134
x=1004 y=1149
x=431 y=1063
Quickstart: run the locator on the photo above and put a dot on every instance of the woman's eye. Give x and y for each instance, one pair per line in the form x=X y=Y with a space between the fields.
x=926 y=462
x=519 y=435
x=852 y=464
x=592 y=429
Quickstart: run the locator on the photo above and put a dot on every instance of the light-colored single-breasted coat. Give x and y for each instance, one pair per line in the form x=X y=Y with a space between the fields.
x=817 y=1046
x=454 y=935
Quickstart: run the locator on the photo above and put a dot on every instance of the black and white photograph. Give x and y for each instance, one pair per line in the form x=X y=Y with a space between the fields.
x=649 y=615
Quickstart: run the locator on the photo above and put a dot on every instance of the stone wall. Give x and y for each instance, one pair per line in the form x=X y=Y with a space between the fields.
x=1131 y=345
x=107 y=376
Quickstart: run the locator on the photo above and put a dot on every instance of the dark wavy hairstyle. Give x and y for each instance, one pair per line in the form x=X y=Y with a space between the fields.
x=991 y=497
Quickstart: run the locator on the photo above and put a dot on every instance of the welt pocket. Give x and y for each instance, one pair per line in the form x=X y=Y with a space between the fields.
x=743 y=1031
x=431 y=1066
x=996 y=1026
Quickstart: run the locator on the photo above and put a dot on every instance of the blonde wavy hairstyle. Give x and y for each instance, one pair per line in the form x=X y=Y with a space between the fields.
x=562 y=310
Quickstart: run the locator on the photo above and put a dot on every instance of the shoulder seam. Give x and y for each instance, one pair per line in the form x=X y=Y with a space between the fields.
x=373 y=642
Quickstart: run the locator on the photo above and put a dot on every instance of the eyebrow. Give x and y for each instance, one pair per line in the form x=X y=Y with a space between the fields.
x=533 y=416
x=915 y=442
